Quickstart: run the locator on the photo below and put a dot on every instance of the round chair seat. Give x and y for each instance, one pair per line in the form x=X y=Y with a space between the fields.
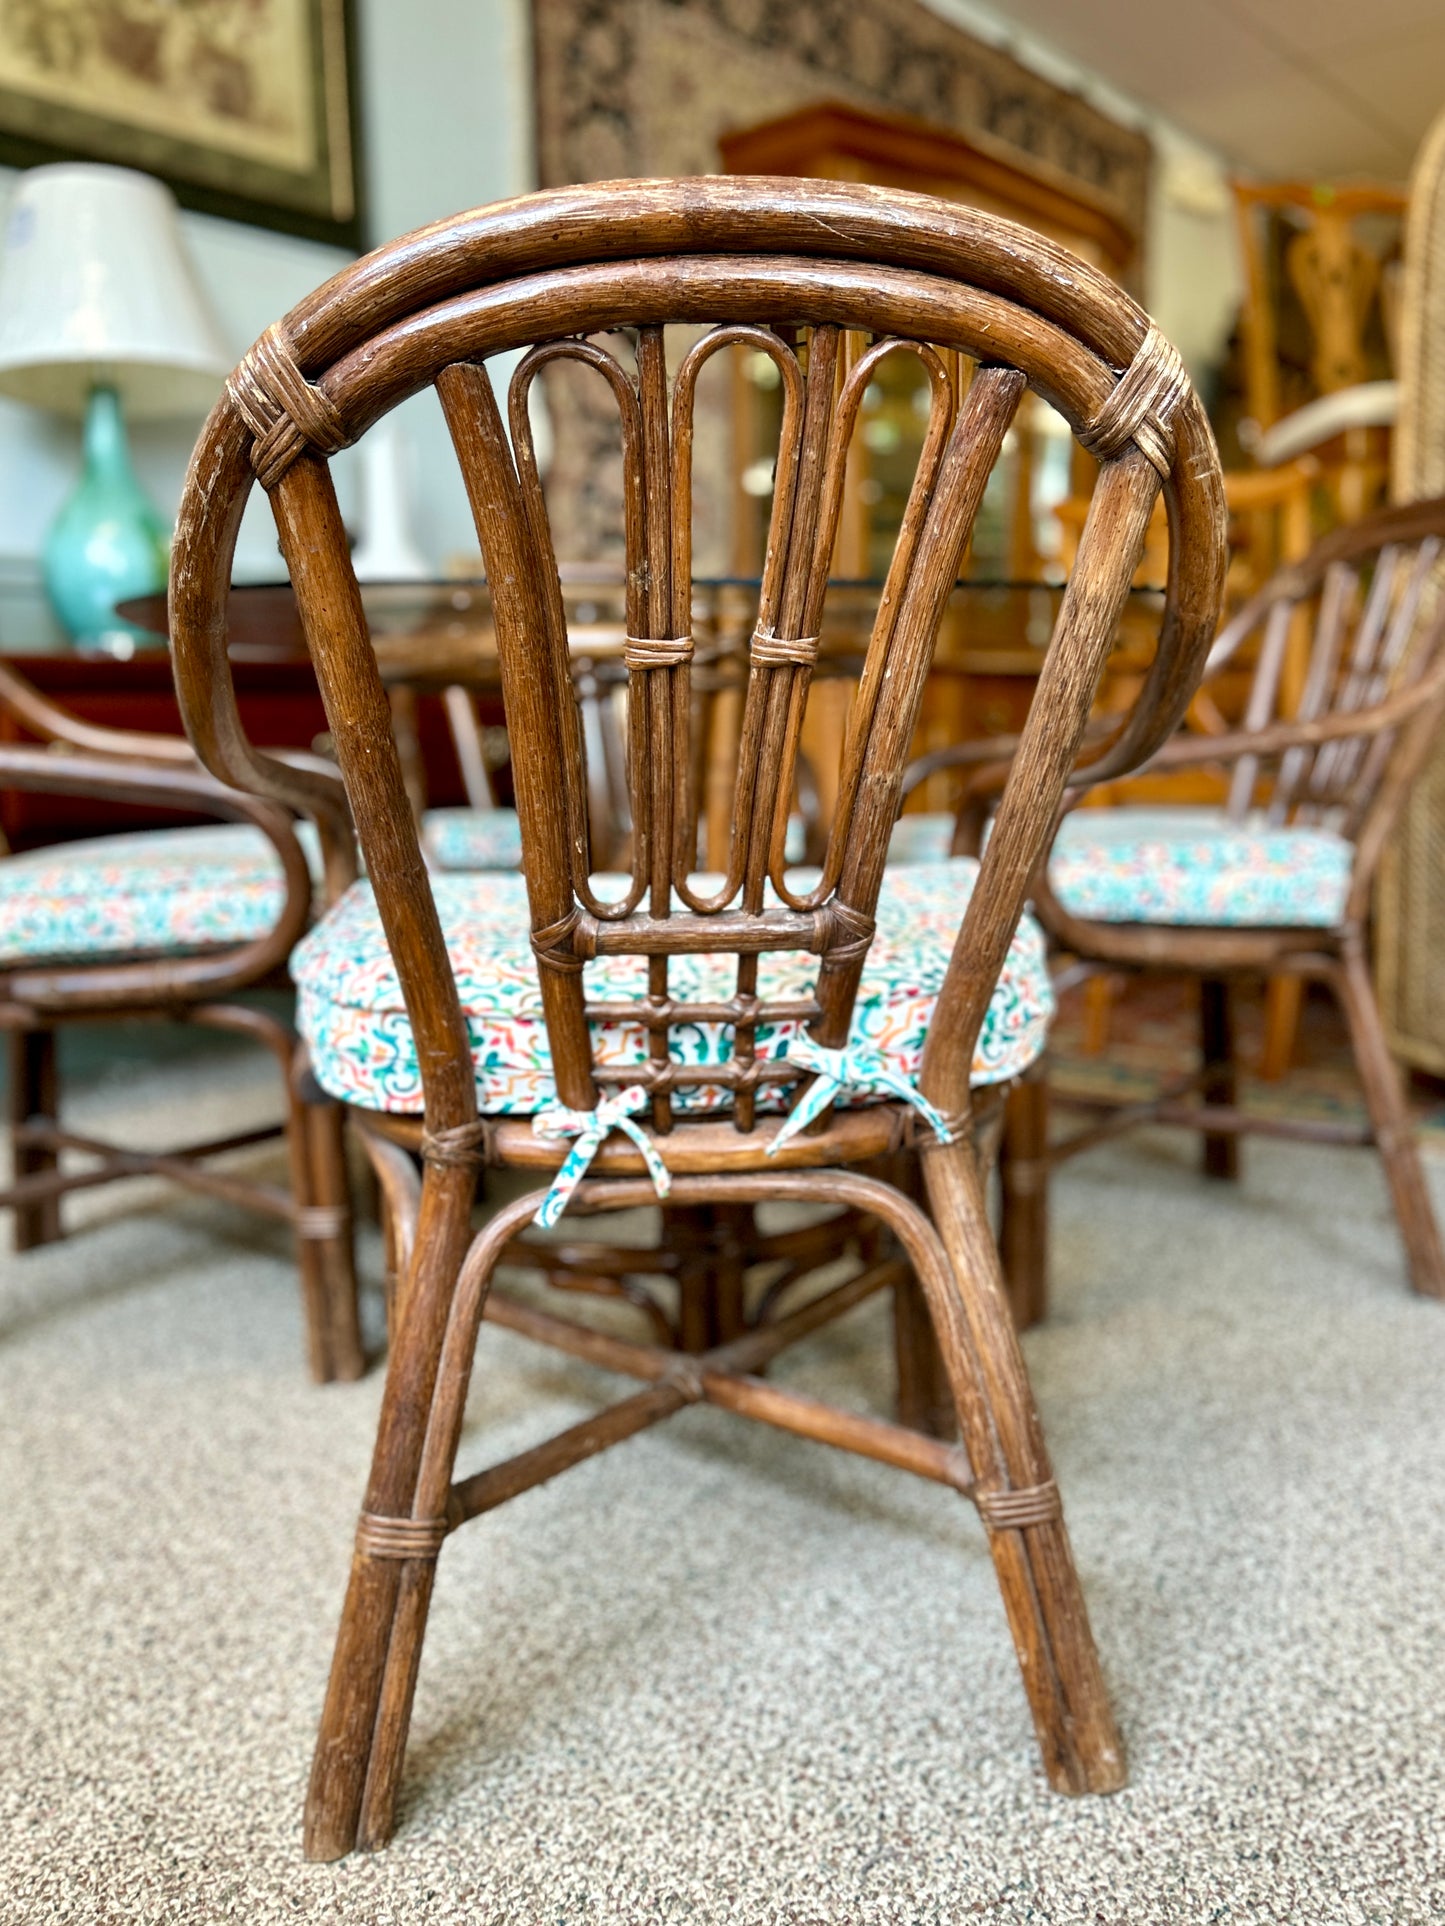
x=1182 y=866
x=472 y=838
x=351 y=1013
x=156 y=892
x=1190 y=867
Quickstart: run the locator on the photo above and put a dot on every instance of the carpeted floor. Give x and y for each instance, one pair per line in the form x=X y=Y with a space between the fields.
x=719 y=1675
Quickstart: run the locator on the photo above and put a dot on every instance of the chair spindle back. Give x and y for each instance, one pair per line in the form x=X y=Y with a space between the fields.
x=786 y=270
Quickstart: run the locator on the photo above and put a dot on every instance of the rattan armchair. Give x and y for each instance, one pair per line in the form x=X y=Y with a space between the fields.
x=172 y=926
x=1277 y=883
x=704 y=1044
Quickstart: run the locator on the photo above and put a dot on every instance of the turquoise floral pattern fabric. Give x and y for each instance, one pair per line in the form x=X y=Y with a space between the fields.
x=1180 y=865
x=472 y=838
x=157 y=892
x=351 y=1013
x=922 y=838
x=1192 y=867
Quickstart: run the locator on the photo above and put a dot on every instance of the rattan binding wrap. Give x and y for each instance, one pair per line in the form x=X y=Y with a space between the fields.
x=400 y=1537
x=285 y=413
x=1142 y=407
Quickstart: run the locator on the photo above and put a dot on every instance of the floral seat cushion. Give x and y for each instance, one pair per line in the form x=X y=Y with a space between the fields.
x=472 y=838
x=1186 y=866
x=351 y=1013
x=921 y=838
x=157 y=892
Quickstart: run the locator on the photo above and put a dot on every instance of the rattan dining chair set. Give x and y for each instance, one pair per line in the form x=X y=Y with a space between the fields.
x=839 y=1036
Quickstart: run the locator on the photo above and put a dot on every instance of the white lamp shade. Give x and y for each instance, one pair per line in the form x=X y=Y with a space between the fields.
x=95 y=287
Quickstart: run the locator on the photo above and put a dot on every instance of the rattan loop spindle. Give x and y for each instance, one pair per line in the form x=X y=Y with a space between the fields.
x=284 y=411
x=1142 y=407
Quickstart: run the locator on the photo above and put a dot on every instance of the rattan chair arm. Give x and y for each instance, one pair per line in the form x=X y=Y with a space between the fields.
x=990 y=758
x=52 y=723
x=988 y=750
x=320 y=793
x=200 y=659
x=1278 y=738
x=158 y=980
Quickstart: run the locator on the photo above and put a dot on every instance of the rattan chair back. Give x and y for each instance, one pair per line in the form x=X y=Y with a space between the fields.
x=826 y=281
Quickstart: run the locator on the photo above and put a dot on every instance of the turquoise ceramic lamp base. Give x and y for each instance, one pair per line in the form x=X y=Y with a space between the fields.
x=107 y=542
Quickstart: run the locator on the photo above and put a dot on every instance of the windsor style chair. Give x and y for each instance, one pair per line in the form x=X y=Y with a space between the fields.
x=1279 y=882
x=173 y=926
x=782 y=268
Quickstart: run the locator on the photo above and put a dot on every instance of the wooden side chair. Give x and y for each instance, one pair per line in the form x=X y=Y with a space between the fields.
x=173 y=926
x=642 y=1037
x=1278 y=881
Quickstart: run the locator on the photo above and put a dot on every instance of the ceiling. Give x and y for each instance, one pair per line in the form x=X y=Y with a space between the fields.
x=1279 y=87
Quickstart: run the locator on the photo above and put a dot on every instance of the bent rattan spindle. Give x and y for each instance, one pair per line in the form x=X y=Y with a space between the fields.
x=560 y=275
x=1370 y=709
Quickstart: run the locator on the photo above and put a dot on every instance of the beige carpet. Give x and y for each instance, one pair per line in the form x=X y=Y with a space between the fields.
x=720 y=1675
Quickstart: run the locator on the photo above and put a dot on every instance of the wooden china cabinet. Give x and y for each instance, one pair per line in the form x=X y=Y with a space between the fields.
x=984 y=672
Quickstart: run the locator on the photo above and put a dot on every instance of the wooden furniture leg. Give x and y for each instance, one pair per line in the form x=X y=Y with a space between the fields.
x=1081 y=1746
x=1283 y=996
x=34 y=1093
x=351 y=1800
x=411 y=1503
x=1100 y=993
x=1390 y=1120
x=325 y=1230
x=1216 y=1023
x=1023 y=1167
x=924 y=1401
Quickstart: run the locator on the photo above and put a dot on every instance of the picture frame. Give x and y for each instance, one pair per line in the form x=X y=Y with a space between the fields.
x=245 y=108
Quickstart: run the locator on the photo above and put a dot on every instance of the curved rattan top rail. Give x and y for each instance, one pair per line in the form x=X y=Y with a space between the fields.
x=767 y=264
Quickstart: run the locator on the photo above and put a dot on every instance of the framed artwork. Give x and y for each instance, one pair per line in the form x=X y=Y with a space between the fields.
x=244 y=107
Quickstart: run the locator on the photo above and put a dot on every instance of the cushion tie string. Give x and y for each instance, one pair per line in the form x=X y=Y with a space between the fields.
x=590 y=1128
x=857 y=1067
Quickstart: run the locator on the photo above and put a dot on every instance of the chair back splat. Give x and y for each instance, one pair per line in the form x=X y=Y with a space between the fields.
x=640 y=286
x=636 y=257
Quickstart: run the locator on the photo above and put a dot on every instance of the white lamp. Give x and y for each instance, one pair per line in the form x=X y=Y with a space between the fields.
x=99 y=310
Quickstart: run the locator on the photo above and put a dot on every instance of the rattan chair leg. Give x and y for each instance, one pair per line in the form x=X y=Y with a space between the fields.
x=1081 y=1746
x=356 y=1769
x=398 y=1189
x=326 y=1241
x=1220 y=1083
x=1023 y=1168
x=34 y=1092
x=1390 y=1120
x=924 y=1401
